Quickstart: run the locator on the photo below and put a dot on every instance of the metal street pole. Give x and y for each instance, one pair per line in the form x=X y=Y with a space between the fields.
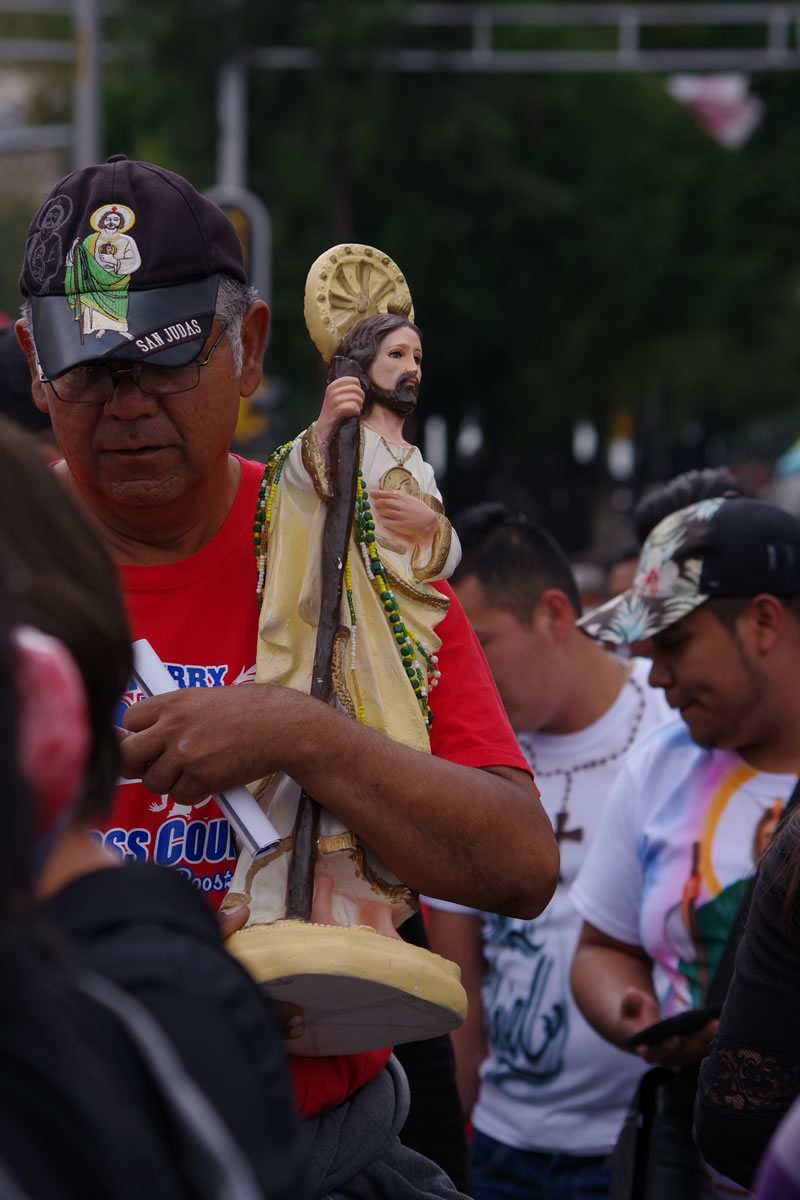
x=87 y=84
x=248 y=213
x=232 y=124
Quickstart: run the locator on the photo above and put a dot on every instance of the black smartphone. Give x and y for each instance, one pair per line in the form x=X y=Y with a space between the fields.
x=681 y=1025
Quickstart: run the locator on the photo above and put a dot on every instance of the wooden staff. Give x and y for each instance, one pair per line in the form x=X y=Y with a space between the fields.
x=343 y=462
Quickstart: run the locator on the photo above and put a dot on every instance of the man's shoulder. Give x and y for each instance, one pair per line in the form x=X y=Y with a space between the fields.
x=664 y=752
x=252 y=470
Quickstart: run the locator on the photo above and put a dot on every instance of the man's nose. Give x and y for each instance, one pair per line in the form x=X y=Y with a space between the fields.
x=660 y=676
x=128 y=401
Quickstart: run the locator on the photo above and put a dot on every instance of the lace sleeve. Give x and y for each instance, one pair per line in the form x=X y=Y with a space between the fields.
x=740 y=1079
x=742 y=1095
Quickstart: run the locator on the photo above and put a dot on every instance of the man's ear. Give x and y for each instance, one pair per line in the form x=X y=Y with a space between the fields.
x=39 y=392
x=556 y=614
x=767 y=617
x=255 y=328
x=54 y=736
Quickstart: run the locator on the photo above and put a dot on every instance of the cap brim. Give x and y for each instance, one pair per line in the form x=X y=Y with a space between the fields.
x=633 y=616
x=168 y=325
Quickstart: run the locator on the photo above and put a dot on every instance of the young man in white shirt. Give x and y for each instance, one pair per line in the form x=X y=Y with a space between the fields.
x=547 y=1096
x=694 y=806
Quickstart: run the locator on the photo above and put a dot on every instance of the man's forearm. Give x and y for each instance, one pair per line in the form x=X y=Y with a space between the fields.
x=600 y=978
x=476 y=837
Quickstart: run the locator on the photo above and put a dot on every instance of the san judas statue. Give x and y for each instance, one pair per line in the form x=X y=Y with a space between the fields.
x=340 y=954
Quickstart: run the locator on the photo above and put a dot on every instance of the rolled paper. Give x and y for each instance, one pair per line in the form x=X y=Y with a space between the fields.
x=250 y=823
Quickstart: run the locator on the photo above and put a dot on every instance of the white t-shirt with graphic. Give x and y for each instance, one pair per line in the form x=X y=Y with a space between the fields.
x=549 y=1082
x=682 y=832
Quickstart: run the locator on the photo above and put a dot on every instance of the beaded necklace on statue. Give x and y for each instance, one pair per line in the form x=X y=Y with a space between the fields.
x=562 y=832
x=263 y=515
x=408 y=646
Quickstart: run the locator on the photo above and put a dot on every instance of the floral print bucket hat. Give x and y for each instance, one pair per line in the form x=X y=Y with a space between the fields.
x=718 y=547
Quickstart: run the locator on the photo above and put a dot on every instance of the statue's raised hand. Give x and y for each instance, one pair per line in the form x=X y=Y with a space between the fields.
x=344 y=398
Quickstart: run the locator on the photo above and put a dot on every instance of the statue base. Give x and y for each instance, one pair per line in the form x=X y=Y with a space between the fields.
x=358 y=989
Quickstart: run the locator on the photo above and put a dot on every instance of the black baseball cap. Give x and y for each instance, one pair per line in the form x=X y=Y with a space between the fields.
x=123 y=261
x=718 y=547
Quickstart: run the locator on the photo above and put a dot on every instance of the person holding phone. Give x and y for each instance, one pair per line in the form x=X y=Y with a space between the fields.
x=695 y=804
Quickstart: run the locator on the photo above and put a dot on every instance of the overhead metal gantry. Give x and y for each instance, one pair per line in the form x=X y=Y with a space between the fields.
x=460 y=37
x=477 y=32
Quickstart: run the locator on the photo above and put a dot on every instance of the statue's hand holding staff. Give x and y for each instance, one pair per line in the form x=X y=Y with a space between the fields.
x=344 y=398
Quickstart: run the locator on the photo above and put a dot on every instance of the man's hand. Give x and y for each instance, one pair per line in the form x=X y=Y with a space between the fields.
x=639 y=1010
x=405 y=517
x=231 y=920
x=289 y=1016
x=344 y=398
x=198 y=741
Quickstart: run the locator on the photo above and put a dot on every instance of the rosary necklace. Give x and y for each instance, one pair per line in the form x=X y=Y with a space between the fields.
x=562 y=816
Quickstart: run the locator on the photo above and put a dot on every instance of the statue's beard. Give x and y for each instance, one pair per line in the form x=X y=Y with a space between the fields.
x=401 y=399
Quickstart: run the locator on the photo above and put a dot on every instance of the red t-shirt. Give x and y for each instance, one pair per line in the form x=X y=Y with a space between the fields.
x=201 y=617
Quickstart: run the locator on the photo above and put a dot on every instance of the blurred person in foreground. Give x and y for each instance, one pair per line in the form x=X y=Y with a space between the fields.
x=694 y=805
x=144 y=417
x=546 y=1094
x=134 y=923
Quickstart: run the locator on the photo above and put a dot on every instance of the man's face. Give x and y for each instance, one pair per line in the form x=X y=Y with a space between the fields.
x=111 y=222
x=139 y=450
x=520 y=657
x=711 y=676
x=396 y=370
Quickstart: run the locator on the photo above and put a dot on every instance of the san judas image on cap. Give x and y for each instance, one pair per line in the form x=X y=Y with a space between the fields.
x=123 y=261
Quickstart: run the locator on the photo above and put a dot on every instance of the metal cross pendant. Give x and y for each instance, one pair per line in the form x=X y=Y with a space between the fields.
x=562 y=833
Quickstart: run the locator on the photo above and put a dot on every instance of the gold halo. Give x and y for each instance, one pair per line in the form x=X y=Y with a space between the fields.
x=127 y=214
x=347 y=284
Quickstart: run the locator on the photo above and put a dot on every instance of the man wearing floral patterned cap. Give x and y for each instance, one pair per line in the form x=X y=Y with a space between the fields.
x=717 y=589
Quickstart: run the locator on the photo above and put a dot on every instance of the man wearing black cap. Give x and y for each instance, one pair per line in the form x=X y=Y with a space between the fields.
x=691 y=813
x=144 y=416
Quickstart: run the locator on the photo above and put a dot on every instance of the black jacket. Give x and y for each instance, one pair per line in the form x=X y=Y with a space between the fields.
x=144 y=928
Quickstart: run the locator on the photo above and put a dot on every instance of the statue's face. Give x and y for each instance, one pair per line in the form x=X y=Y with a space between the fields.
x=398 y=363
x=395 y=373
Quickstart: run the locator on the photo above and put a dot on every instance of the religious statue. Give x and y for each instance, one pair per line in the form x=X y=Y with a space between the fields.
x=324 y=909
